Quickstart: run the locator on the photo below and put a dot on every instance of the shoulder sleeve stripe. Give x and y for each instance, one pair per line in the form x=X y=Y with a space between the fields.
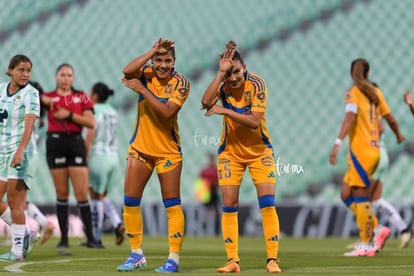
x=258 y=81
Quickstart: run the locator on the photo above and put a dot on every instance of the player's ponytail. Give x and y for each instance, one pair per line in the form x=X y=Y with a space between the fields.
x=233 y=45
x=102 y=90
x=359 y=73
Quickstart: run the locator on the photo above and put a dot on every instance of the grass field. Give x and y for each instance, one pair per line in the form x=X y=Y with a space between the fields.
x=202 y=256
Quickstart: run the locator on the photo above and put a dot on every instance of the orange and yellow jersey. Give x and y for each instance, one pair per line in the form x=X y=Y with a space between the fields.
x=152 y=135
x=364 y=135
x=238 y=140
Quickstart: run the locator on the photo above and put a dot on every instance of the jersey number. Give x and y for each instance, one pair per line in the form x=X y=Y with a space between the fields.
x=227 y=172
x=3 y=116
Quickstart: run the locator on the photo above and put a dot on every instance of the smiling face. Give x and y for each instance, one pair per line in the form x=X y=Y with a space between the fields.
x=64 y=78
x=20 y=74
x=163 y=65
x=235 y=77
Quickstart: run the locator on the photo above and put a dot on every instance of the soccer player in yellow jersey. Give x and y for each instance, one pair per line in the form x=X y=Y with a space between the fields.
x=245 y=143
x=155 y=144
x=364 y=104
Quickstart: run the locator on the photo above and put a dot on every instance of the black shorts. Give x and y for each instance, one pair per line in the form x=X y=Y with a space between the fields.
x=64 y=150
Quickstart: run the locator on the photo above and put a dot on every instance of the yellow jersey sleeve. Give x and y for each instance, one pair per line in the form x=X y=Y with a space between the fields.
x=383 y=106
x=181 y=90
x=259 y=100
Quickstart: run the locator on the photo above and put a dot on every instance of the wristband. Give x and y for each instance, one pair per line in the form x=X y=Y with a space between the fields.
x=338 y=141
x=69 y=118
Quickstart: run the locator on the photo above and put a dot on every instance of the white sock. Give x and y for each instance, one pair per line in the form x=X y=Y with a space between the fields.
x=97 y=208
x=17 y=234
x=111 y=212
x=138 y=251
x=175 y=257
x=37 y=215
x=390 y=213
x=6 y=216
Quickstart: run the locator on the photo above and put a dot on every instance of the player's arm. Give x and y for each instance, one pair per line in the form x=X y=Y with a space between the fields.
x=132 y=70
x=346 y=126
x=393 y=124
x=409 y=100
x=90 y=136
x=210 y=95
x=29 y=122
x=164 y=110
x=86 y=119
x=248 y=120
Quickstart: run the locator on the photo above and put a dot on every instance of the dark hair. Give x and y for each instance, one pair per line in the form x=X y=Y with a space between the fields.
x=16 y=60
x=233 y=45
x=102 y=90
x=41 y=91
x=70 y=66
x=359 y=73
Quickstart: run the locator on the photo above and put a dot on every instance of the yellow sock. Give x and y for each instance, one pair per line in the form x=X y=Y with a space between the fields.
x=176 y=223
x=365 y=220
x=271 y=231
x=133 y=225
x=230 y=229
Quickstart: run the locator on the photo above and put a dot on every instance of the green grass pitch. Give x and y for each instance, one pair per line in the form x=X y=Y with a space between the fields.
x=202 y=256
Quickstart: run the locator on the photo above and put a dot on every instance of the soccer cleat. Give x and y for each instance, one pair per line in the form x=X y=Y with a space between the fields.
x=230 y=267
x=32 y=241
x=134 y=261
x=63 y=244
x=119 y=234
x=273 y=266
x=362 y=250
x=381 y=238
x=405 y=239
x=47 y=233
x=168 y=267
x=9 y=256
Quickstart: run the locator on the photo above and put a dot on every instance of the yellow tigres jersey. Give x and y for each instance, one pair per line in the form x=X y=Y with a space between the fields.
x=152 y=135
x=241 y=141
x=364 y=134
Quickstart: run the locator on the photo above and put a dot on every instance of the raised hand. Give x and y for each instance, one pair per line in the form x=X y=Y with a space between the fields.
x=407 y=97
x=163 y=46
x=226 y=63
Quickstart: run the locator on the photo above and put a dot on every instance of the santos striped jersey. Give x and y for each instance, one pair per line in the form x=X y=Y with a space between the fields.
x=241 y=141
x=13 y=109
x=105 y=125
x=152 y=135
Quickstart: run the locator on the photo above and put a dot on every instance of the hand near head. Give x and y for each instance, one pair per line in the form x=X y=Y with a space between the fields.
x=162 y=47
x=407 y=97
x=226 y=60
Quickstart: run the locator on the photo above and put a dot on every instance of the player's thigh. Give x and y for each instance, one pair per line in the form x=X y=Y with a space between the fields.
x=230 y=171
x=136 y=177
x=170 y=182
x=99 y=169
x=80 y=182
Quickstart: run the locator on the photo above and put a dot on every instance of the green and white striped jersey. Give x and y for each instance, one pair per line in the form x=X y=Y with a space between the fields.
x=105 y=125
x=13 y=109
